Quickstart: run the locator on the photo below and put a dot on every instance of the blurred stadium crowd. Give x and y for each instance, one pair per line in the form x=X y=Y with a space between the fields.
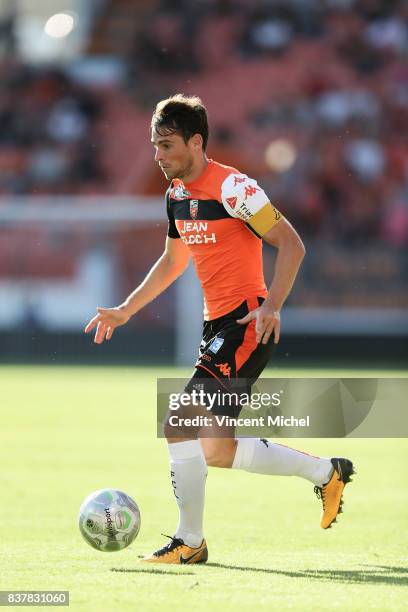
x=47 y=134
x=308 y=96
x=327 y=81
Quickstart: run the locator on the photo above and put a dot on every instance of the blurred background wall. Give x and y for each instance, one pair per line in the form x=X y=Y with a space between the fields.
x=308 y=96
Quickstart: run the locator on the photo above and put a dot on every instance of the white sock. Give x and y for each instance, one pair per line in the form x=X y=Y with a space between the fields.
x=265 y=457
x=188 y=474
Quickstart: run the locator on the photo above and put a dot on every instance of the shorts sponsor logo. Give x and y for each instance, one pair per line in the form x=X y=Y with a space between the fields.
x=193 y=209
x=277 y=214
x=215 y=345
x=206 y=357
x=238 y=179
x=224 y=368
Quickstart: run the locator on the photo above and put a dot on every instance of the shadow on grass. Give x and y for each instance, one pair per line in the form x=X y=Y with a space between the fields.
x=149 y=570
x=391 y=568
x=381 y=574
x=374 y=574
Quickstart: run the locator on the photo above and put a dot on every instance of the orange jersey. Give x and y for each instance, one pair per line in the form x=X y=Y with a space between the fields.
x=221 y=217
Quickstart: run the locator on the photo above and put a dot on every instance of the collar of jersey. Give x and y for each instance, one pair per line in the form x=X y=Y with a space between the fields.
x=202 y=176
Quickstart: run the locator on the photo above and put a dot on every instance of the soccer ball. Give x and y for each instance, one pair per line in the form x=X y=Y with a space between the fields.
x=109 y=520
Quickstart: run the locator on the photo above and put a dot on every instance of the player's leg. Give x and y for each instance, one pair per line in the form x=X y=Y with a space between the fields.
x=263 y=457
x=219 y=452
x=246 y=360
x=188 y=473
x=329 y=475
x=232 y=356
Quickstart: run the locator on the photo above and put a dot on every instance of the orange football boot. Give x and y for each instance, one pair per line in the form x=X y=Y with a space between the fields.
x=331 y=492
x=176 y=552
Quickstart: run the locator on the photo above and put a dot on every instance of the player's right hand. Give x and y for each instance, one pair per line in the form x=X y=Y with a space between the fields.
x=106 y=321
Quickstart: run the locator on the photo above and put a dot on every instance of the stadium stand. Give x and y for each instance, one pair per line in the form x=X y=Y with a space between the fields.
x=330 y=78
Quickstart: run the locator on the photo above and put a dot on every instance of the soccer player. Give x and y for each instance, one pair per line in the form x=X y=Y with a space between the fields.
x=219 y=217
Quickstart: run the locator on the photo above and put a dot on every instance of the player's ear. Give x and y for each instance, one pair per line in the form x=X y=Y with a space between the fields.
x=197 y=141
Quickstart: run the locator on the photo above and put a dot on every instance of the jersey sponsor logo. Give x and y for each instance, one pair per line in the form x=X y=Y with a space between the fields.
x=232 y=202
x=199 y=239
x=224 y=368
x=250 y=191
x=193 y=209
x=179 y=193
x=205 y=357
x=193 y=232
x=215 y=345
x=277 y=213
x=194 y=226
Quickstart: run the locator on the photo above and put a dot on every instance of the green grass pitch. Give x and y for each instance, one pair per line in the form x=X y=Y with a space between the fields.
x=68 y=431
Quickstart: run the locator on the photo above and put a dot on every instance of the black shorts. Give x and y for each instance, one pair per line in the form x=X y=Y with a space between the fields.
x=229 y=356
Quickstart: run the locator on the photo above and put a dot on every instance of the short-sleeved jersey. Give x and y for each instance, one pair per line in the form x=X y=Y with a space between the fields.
x=221 y=217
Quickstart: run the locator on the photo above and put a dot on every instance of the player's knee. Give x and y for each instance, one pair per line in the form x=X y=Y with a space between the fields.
x=219 y=455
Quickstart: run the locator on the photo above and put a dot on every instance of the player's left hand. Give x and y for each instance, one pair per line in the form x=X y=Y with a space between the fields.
x=267 y=321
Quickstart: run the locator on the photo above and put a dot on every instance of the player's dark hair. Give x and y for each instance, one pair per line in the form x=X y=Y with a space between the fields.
x=180 y=114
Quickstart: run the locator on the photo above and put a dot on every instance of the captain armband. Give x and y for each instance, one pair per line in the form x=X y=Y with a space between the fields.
x=264 y=220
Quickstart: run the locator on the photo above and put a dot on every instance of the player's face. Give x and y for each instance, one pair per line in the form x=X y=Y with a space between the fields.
x=173 y=155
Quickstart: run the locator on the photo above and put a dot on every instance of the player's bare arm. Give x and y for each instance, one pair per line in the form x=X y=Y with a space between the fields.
x=290 y=255
x=165 y=271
